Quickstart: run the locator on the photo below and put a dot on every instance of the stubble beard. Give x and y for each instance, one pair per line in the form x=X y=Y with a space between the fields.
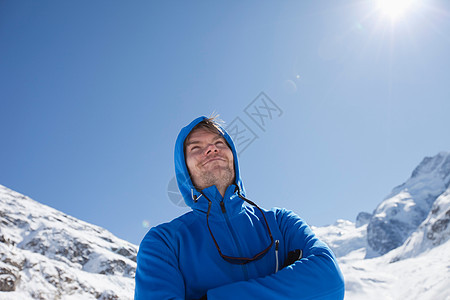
x=221 y=179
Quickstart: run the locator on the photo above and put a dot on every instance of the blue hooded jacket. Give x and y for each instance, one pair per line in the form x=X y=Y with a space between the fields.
x=179 y=259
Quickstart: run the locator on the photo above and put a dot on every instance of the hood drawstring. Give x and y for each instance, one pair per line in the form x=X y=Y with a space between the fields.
x=239 y=260
x=247 y=200
x=195 y=197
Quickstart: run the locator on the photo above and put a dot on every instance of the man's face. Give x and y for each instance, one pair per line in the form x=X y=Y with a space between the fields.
x=209 y=160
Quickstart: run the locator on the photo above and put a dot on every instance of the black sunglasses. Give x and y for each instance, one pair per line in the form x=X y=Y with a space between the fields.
x=240 y=260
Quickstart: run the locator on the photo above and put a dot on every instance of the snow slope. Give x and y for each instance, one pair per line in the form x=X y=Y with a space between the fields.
x=46 y=254
x=422 y=275
x=425 y=276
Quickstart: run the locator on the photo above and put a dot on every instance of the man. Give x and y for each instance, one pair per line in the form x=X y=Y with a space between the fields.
x=227 y=247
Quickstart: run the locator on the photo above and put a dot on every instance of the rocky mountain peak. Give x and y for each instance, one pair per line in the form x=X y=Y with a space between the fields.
x=439 y=165
x=400 y=214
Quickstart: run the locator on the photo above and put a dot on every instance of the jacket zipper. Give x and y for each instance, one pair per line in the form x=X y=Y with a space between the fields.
x=233 y=233
x=277 y=243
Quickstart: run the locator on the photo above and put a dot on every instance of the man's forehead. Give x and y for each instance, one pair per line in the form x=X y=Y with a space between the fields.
x=198 y=134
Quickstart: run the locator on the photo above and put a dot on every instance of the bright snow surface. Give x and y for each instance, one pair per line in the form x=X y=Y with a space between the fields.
x=424 y=276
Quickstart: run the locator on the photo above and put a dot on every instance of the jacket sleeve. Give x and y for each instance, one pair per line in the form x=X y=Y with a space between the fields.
x=315 y=276
x=157 y=272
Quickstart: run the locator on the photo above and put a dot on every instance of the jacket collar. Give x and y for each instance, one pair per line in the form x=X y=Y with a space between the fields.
x=232 y=203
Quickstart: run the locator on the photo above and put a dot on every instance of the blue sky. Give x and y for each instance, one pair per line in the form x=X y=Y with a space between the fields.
x=94 y=93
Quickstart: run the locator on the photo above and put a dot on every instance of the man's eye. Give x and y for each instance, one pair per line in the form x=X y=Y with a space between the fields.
x=219 y=143
x=194 y=148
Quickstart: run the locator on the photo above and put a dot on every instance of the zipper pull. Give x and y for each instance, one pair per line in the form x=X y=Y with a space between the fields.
x=222 y=205
x=277 y=243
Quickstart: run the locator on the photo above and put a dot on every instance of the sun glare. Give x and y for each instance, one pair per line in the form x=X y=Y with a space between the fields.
x=395 y=8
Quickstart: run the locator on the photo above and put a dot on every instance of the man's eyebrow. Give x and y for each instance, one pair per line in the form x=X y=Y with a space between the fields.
x=218 y=137
x=188 y=143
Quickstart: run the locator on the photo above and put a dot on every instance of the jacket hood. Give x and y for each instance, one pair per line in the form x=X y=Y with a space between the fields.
x=184 y=181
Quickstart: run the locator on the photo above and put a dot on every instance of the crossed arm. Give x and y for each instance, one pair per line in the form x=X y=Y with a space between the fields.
x=315 y=276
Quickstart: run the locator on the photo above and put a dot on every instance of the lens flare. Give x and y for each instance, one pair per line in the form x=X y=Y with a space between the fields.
x=145 y=224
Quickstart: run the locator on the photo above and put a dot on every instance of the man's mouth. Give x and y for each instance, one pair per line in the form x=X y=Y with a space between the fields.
x=213 y=159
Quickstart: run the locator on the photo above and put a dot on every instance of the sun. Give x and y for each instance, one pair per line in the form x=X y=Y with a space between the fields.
x=395 y=8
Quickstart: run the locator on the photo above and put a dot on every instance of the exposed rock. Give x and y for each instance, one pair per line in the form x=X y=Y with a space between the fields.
x=437 y=225
x=363 y=218
x=129 y=253
x=433 y=231
x=108 y=295
x=9 y=278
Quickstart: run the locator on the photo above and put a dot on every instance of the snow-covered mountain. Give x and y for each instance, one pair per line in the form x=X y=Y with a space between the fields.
x=46 y=254
x=400 y=251
x=408 y=205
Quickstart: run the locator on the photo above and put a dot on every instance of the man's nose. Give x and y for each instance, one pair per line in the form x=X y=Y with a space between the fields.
x=211 y=148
